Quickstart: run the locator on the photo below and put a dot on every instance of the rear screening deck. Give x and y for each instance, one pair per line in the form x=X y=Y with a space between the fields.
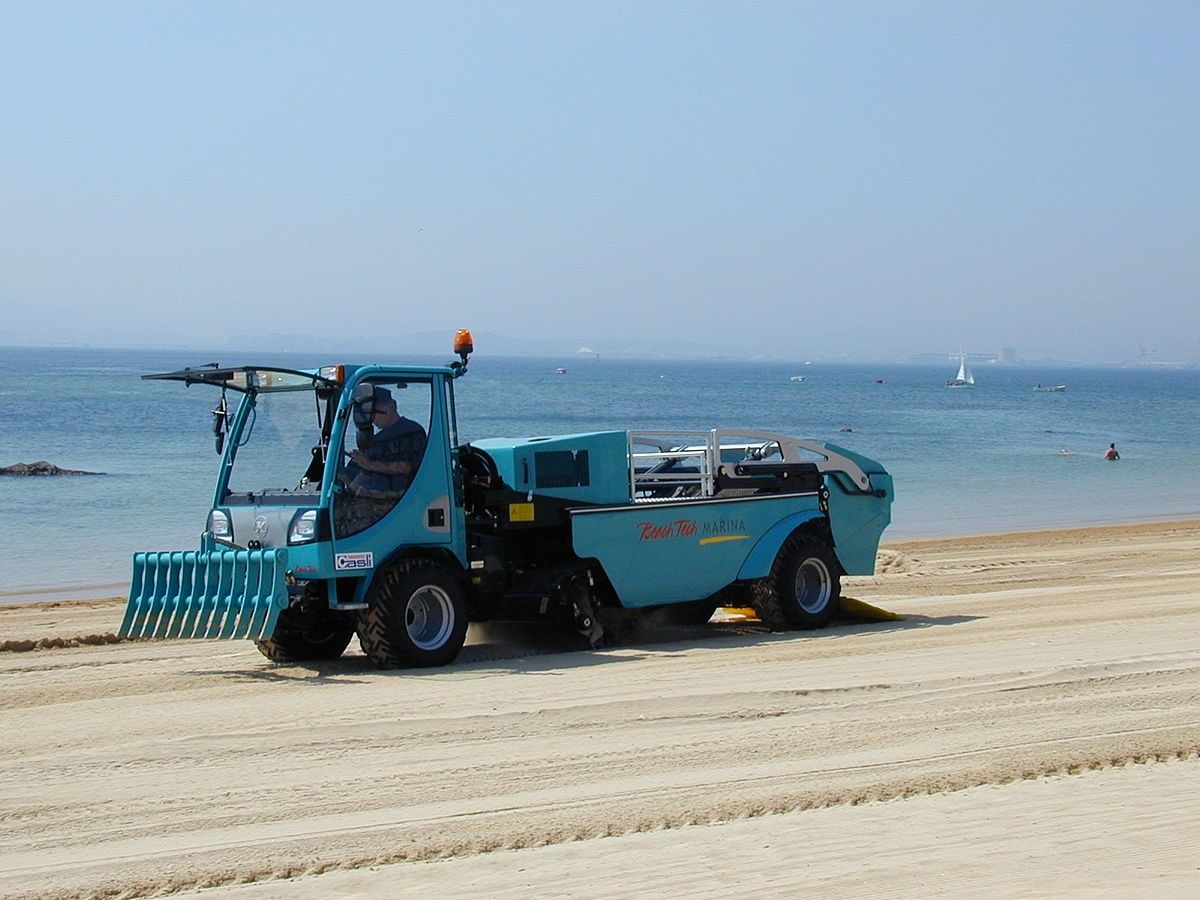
x=222 y=594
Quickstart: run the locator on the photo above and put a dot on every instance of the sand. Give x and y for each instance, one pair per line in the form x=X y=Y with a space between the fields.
x=1032 y=728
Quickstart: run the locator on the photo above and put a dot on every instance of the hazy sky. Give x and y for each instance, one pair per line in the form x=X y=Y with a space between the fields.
x=874 y=179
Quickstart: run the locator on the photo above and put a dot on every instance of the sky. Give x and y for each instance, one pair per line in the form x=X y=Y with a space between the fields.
x=817 y=180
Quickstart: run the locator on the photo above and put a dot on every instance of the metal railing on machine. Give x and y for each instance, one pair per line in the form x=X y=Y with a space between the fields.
x=669 y=465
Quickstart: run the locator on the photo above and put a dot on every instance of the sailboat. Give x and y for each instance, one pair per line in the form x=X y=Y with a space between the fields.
x=964 y=378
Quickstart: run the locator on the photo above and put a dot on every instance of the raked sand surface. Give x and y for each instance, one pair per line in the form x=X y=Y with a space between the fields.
x=1032 y=728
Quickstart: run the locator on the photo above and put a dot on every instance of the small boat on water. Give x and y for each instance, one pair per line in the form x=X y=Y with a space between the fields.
x=964 y=378
x=560 y=371
x=796 y=378
x=1049 y=388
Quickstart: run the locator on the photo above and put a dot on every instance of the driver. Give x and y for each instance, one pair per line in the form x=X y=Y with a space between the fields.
x=387 y=466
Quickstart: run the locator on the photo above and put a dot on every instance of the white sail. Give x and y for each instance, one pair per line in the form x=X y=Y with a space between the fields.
x=964 y=378
x=964 y=371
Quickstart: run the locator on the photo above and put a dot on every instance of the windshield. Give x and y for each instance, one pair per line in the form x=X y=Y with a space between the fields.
x=280 y=451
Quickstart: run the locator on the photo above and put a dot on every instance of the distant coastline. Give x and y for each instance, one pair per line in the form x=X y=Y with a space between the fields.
x=434 y=345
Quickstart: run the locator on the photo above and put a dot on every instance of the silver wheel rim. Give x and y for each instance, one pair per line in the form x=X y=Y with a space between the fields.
x=429 y=617
x=814 y=587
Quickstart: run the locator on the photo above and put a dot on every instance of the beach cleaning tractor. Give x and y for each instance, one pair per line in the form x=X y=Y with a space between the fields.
x=346 y=504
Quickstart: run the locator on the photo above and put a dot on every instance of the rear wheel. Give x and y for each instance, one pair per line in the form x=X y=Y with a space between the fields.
x=307 y=632
x=417 y=616
x=803 y=587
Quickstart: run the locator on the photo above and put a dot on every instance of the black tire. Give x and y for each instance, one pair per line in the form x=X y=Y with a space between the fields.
x=416 y=617
x=307 y=633
x=803 y=587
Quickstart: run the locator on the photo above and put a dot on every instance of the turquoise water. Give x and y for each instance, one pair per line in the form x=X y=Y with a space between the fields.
x=972 y=460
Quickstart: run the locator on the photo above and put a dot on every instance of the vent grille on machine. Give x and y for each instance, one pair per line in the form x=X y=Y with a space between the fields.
x=561 y=469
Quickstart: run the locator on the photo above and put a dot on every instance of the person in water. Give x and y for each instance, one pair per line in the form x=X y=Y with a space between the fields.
x=1111 y=452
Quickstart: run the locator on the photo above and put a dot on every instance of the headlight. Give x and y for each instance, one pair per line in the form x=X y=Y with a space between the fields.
x=304 y=527
x=218 y=524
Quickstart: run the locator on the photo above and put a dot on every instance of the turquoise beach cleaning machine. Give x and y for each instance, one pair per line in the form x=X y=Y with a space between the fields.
x=346 y=504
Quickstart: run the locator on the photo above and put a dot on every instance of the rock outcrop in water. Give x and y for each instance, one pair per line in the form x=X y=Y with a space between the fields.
x=41 y=467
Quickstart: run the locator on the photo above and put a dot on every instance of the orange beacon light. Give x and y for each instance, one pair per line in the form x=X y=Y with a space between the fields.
x=463 y=344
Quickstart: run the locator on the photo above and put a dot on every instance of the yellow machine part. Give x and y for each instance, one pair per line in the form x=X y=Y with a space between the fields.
x=859 y=609
x=856 y=609
x=744 y=612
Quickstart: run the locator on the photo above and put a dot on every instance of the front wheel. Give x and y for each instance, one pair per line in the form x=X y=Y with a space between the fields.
x=803 y=587
x=416 y=617
x=307 y=633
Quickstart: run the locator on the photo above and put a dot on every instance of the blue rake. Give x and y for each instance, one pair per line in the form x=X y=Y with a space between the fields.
x=222 y=594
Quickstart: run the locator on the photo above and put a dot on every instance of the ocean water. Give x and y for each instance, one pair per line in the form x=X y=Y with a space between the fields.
x=964 y=461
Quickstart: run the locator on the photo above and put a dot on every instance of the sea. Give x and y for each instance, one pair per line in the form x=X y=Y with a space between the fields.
x=995 y=457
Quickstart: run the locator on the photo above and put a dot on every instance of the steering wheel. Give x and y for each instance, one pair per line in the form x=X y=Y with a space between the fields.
x=478 y=468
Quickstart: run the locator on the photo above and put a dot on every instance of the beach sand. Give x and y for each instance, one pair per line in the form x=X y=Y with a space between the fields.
x=1032 y=728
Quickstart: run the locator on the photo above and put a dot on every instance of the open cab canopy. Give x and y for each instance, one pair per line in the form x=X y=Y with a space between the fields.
x=254 y=379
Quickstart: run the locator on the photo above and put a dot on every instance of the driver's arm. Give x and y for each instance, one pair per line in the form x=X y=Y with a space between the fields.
x=393 y=467
x=396 y=467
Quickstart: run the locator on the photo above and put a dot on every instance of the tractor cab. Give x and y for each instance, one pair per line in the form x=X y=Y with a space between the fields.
x=347 y=440
x=324 y=474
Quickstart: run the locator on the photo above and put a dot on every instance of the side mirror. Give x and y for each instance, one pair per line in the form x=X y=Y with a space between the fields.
x=220 y=415
x=363 y=411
